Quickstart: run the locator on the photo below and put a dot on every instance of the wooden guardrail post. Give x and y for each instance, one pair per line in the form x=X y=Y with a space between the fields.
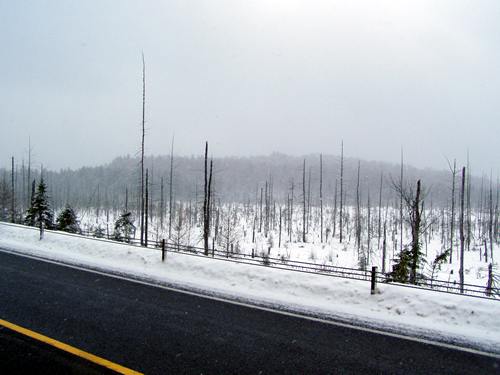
x=163 y=250
x=373 y=280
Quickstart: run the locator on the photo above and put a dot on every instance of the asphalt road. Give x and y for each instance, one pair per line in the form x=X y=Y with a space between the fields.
x=20 y=354
x=157 y=331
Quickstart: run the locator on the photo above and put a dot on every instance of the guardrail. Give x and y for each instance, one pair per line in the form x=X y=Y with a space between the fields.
x=264 y=259
x=375 y=277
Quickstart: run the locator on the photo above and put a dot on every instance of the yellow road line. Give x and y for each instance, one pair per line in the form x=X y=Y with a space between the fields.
x=70 y=349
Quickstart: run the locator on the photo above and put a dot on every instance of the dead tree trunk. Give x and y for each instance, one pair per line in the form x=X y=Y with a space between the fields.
x=146 y=209
x=334 y=210
x=358 y=213
x=368 y=230
x=304 y=202
x=279 y=241
x=341 y=189
x=469 y=211
x=452 y=223
x=321 y=196
x=490 y=224
x=206 y=200
x=379 y=222
x=170 y=187
x=401 y=205
x=13 y=196
x=162 y=204
x=260 y=209
x=416 y=222
x=142 y=146
x=462 y=238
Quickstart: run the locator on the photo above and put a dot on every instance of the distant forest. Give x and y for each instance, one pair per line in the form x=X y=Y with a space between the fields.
x=235 y=180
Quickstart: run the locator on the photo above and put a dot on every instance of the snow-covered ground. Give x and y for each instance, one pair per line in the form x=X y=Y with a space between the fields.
x=459 y=319
x=239 y=232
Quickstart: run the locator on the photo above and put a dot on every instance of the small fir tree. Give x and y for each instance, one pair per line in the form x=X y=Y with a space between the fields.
x=67 y=220
x=124 y=227
x=40 y=214
x=99 y=232
x=401 y=270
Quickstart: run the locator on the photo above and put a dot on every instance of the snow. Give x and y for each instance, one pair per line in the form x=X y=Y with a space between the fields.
x=453 y=318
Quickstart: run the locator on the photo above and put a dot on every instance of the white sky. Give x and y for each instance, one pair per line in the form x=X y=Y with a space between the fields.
x=252 y=77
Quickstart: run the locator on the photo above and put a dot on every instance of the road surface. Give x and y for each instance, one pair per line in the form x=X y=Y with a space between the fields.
x=159 y=331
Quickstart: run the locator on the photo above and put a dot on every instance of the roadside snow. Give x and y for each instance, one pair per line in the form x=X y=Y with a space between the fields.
x=463 y=320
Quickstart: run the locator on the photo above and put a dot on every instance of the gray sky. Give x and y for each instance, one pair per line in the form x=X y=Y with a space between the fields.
x=251 y=77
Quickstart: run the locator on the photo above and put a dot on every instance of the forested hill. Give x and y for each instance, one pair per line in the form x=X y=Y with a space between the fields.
x=239 y=179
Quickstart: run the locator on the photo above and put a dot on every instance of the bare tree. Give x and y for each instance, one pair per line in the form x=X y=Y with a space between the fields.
x=358 y=212
x=146 y=208
x=401 y=204
x=410 y=259
x=170 y=187
x=334 y=210
x=142 y=146
x=452 y=220
x=321 y=195
x=304 y=202
x=341 y=189
x=13 y=196
x=462 y=238
x=206 y=200
x=379 y=222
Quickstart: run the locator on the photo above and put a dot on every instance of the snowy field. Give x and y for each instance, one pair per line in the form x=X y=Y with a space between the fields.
x=239 y=232
x=464 y=320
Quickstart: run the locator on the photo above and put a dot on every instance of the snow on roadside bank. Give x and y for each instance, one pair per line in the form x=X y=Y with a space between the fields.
x=463 y=319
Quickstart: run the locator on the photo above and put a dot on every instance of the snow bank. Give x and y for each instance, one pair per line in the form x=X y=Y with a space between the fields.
x=459 y=319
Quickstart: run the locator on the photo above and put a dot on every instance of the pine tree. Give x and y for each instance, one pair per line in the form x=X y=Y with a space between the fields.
x=124 y=227
x=40 y=214
x=401 y=270
x=67 y=220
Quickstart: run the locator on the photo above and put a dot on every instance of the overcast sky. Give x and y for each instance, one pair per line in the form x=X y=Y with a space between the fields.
x=251 y=77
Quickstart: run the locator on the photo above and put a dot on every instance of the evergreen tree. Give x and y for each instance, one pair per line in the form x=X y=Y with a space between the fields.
x=124 y=227
x=99 y=232
x=67 y=220
x=401 y=270
x=40 y=214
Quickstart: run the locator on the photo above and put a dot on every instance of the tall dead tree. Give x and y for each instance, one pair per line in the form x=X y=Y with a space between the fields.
x=308 y=220
x=462 y=238
x=304 y=202
x=490 y=222
x=146 y=208
x=261 y=209
x=321 y=195
x=368 y=229
x=341 y=189
x=358 y=212
x=13 y=196
x=290 y=212
x=416 y=221
x=452 y=221
x=162 y=204
x=401 y=205
x=379 y=222
x=207 y=201
x=410 y=259
x=170 y=189
x=30 y=196
x=469 y=210
x=279 y=240
x=334 y=210
x=142 y=146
